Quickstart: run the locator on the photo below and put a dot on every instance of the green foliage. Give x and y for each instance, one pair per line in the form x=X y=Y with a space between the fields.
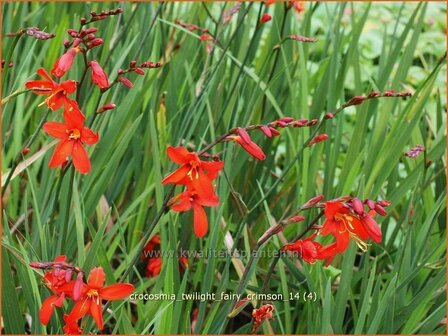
x=395 y=287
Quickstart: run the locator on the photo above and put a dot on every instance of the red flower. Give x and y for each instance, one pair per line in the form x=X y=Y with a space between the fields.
x=195 y=172
x=93 y=294
x=309 y=250
x=71 y=327
x=246 y=142
x=154 y=265
x=73 y=135
x=99 y=77
x=56 y=92
x=259 y=315
x=191 y=199
x=343 y=223
x=64 y=63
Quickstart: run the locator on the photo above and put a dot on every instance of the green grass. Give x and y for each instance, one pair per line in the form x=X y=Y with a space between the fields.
x=395 y=287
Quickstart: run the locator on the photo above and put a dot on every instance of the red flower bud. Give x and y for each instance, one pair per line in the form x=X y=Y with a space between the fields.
x=99 y=77
x=373 y=94
x=83 y=21
x=132 y=64
x=296 y=219
x=96 y=42
x=384 y=203
x=265 y=18
x=300 y=122
x=301 y=38
x=91 y=30
x=329 y=115
x=358 y=206
x=106 y=107
x=370 y=204
x=139 y=71
x=380 y=210
x=356 y=100
x=286 y=119
x=126 y=82
x=25 y=151
x=314 y=200
x=266 y=130
x=318 y=138
x=274 y=131
x=312 y=122
x=76 y=42
x=205 y=37
x=64 y=63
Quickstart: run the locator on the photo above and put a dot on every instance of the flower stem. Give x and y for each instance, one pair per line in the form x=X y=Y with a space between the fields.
x=13 y=95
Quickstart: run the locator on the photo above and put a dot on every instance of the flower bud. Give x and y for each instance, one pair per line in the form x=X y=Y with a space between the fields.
x=356 y=100
x=91 y=30
x=83 y=21
x=374 y=94
x=370 y=204
x=126 y=82
x=106 y=107
x=313 y=201
x=265 y=18
x=132 y=64
x=329 y=115
x=25 y=151
x=139 y=71
x=380 y=210
x=358 y=207
x=97 y=42
x=312 y=122
x=318 y=138
x=266 y=131
x=296 y=219
x=384 y=203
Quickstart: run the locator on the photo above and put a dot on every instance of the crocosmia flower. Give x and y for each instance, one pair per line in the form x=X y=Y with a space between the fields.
x=56 y=92
x=259 y=315
x=72 y=137
x=65 y=62
x=190 y=199
x=93 y=293
x=344 y=224
x=99 y=77
x=309 y=250
x=193 y=170
x=244 y=140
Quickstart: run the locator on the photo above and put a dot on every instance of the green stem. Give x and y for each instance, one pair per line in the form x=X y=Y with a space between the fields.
x=67 y=208
x=13 y=95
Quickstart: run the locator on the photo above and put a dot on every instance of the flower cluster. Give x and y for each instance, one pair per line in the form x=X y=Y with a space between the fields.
x=72 y=133
x=87 y=297
x=345 y=219
x=265 y=312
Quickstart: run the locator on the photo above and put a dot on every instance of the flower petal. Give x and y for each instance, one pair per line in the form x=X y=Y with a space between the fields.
x=55 y=129
x=96 y=278
x=117 y=291
x=80 y=309
x=372 y=228
x=47 y=309
x=80 y=158
x=62 y=151
x=176 y=176
x=200 y=221
x=178 y=154
x=88 y=136
x=97 y=313
x=69 y=86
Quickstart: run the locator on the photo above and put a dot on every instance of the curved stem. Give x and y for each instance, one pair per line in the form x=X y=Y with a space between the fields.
x=13 y=95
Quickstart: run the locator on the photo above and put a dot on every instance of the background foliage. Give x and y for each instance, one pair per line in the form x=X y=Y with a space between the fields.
x=396 y=287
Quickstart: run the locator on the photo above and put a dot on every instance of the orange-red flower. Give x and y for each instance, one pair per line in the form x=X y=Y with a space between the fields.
x=71 y=327
x=99 y=77
x=56 y=92
x=72 y=136
x=195 y=172
x=93 y=294
x=244 y=140
x=343 y=223
x=154 y=265
x=65 y=62
x=191 y=199
x=259 y=315
x=309 y=250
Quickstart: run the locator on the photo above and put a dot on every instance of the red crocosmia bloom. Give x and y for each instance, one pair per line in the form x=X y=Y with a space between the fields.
x=308 y=249
x=299 y=6
x=72 y=135
x=343 y=224
x=244 y=140
x=99 y=77
x=193 y=171
x=93 y=294
x=191 y=199
x=71 y=327
x=259 y=315
x=72 y=111
x=64 y=63
x=153 y=267
x=56 y=92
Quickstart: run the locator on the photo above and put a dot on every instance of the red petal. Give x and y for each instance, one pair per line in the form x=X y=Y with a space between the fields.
x=97 y=313
x=176 y=176
x=200 y=221
x=96 y=278
x=184 y=203
x=117 y=291
x=56 y=129
x=61 y=258
x=210 y=201
x=80 y=309
x=88 y=136
x=61 y=152
x=73 y=116
x=43 y=73
x=332 y=208
x=40 y=84
x=56 y=100
x=212 y=166
x=253 y=149
x=64 y=63
x=47 y=309
x=80 y=158
x=178 y=154
x=69 y=86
